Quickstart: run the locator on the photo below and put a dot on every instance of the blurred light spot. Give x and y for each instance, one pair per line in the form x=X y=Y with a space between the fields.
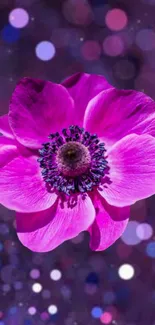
x=145 y=39
x=52 y=309
x=126 y=271
x=32 y=311
x=12 y=310
x=6 y=287
x=10 y=34
x=90 y=289
x=18 y=285
x=66 y=292
x=18 y=18
x=108 y=297
x=45 y=51
x=77 y=12
x=96 y=312
x=106 y=318
x=55 y=275
x=35 y=274
x=144 y=231
x=150 y=249
x=116 y=19
x=129 y=236
x=37 y=287
x=46 y=294
x=91 y=50
x=44 y=316
x=113 y=45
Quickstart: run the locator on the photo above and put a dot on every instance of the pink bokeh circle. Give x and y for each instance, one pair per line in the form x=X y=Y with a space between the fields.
x=106 y=318
x=116 y=19
x=91 y=50
x=113 y=45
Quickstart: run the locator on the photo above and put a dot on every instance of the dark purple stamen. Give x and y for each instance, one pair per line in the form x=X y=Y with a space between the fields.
x=74 y=161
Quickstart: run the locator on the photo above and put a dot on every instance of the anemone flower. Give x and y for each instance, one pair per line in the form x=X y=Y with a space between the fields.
x=74 y=157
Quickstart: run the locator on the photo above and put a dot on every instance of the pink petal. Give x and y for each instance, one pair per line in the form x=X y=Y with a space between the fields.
x=22 y=186
x=83 y=87
x=44 y=231
x=37 y=109
x=131 y=174
x=109 y=224
x=8 y=150
x=114 y=113
x=5 y=127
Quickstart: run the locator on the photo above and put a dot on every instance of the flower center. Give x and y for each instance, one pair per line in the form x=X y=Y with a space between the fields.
x=73 y=161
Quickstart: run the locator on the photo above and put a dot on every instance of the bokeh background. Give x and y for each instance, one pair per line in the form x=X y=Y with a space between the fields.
x=52 y=39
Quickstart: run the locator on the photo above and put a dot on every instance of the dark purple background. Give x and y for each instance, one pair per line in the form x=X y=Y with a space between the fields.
x=86 y=277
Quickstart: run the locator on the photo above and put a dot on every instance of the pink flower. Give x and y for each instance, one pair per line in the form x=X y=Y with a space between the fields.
x=62 y=179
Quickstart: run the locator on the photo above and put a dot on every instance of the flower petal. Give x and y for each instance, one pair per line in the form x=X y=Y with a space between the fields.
x=37 y=109
x=8 y=150
x=131 y=174
x=114 y=113
x=5 y=127
x=44 y=231
x=109 y=224
x=83 y=87
x=22 y=186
